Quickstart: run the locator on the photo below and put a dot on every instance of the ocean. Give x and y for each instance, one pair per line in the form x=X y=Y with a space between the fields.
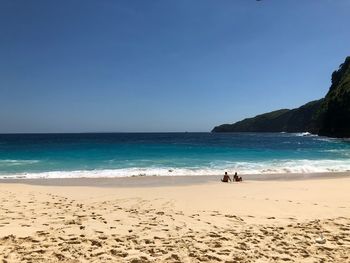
x=168 y=154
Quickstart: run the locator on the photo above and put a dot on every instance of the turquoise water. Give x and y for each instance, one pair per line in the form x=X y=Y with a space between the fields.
x=127 y=154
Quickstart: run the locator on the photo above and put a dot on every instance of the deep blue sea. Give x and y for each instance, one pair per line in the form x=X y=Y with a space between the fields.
x=133 y=154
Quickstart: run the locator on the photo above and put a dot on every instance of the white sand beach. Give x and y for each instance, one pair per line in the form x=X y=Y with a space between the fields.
x=253 y=221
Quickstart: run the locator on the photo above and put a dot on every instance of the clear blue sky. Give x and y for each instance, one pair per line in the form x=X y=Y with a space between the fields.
x=163 y=65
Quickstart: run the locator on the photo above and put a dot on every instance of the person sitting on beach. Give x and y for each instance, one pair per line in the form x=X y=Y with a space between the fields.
x=236 y=178
x=226 y=178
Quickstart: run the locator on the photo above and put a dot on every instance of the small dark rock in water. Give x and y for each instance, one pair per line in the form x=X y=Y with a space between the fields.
x=170 y=171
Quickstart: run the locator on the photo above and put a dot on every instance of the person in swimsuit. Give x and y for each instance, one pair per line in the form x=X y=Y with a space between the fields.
x=226 y=178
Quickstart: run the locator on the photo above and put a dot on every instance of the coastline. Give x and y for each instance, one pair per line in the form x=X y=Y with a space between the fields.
x=159 y=181
x=175 y=219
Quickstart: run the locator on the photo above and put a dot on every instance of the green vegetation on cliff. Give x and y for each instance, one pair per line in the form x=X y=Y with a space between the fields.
x=295 y=120
x=335 y=111
x=329 y=116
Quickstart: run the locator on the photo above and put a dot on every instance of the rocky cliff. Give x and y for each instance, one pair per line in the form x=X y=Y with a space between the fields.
x=329 y=116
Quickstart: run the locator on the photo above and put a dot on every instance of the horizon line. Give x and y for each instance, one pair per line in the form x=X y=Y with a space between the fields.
x=103 y=132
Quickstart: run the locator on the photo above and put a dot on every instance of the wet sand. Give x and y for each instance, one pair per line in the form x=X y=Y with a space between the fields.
x=156 y=181
x=176 y=219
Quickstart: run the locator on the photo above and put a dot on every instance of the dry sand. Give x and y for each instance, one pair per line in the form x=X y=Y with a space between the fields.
x=253 y=221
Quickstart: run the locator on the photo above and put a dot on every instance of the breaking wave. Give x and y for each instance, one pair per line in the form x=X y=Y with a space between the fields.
x=268 y=167
x=17 y=162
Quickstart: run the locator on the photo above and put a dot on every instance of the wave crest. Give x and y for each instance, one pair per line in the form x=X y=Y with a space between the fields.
x=269 y=167
x=9 y=162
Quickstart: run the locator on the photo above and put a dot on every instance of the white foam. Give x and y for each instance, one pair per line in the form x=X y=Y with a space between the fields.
x=8 y=162
x=268 y=167
x=303 y=134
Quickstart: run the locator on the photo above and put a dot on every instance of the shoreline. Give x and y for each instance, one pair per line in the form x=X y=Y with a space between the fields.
x=159 y=181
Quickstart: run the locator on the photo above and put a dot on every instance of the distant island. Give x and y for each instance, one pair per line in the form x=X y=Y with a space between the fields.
x=329 y=116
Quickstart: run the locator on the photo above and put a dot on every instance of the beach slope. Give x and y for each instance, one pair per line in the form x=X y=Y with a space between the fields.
x=253 y=221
